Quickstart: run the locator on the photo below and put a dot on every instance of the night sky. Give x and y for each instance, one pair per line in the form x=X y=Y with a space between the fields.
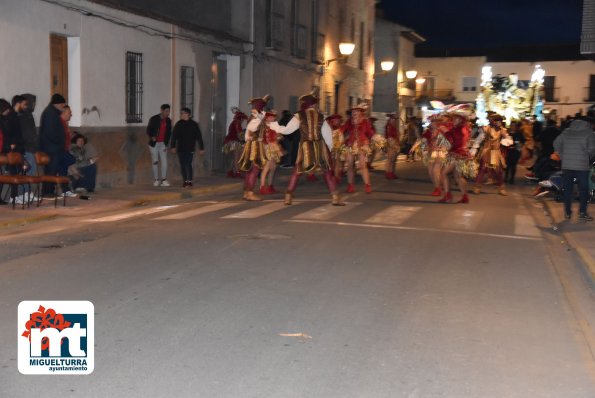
x=491 y=26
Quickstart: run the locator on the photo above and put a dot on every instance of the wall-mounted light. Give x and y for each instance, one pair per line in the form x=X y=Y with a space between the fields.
x=387 y=66
x=346 y=48
x=411 y=74
x=420 y=80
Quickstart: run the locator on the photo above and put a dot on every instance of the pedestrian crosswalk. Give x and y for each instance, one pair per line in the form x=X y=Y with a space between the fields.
x=449 y=219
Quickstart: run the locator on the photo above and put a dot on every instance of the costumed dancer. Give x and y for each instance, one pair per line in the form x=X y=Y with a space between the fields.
x=436 y=150
x=253 y=157
x=491 y=159
x=393 y=146
x=315 y=141
x=458 y=160
x=273 y=153
x=234 y=142
x=338 y=149
x=359 y=133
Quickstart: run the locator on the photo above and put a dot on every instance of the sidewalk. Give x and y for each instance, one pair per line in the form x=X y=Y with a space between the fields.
x=111 y=199
x=579 y=235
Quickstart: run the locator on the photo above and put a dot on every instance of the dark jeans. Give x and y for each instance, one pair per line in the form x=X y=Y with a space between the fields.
x=58 y=165
x=87 y=181
x=512 y=159
x=186 y=165
x=582 y=180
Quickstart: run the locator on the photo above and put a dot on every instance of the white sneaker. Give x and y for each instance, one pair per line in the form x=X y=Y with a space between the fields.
x=164 y=183
x=68 y=194
x=156 y=183
x=19 y=200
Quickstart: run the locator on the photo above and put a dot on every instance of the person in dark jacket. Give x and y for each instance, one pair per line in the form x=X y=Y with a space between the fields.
x=159 y=132
x=13 y=139
x=52 y=138
x=513 y=154
x=575 y=147
x=185 y=136
x=25 y=110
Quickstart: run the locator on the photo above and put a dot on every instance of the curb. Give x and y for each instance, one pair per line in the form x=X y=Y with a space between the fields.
x=192 y=193
x=29 y=220
x=143 y=201
x=587 y=259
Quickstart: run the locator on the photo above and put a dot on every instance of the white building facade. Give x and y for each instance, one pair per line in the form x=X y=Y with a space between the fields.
x=569 y=85
x=117 y=61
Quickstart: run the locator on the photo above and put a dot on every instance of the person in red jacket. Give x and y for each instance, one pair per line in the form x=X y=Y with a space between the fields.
x=234 y=141
x=393 y=147
x=458 y=160
x=358 y=131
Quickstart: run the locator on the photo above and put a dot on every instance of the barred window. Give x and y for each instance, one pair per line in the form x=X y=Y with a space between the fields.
x=187 y=87
x=134 y=87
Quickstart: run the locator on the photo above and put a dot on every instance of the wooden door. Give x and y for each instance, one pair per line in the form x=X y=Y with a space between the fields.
x=59 y=65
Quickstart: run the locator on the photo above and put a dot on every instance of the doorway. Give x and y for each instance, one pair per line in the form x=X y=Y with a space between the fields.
x=59 y=65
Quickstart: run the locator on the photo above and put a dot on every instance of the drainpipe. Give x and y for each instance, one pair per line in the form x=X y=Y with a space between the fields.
x=173 y=74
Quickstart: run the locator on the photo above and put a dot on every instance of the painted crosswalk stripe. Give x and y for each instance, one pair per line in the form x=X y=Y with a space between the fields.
x=466 y=220
x=393 y=215
x=131 y=214
x=259 y=211
x=326 y=212
x=197 y=212
x=524 y=225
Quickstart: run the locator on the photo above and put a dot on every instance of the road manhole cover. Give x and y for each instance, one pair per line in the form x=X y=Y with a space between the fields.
x=259 y=237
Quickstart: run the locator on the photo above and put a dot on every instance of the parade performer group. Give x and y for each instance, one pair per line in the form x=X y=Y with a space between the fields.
x=332 y=145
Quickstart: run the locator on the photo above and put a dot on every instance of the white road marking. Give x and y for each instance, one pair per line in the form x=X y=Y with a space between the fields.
x=524 y=225
x=259 y=211
x=393 y=215
x=198 y=212
x=326 y=212
x=466 y=220
x=399 y=227
x=135 y=213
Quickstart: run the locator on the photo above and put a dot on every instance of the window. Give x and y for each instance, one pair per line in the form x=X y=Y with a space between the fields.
x=362 y=30
x=301 y=41
x=469 y=84
x=549 y=88
x=134 y=87
x=315 y=40
x=187 y=87
x=295 y=15
x=275 y=22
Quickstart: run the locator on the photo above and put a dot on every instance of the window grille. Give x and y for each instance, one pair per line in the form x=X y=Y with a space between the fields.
x=187 y=87
x=134 y=87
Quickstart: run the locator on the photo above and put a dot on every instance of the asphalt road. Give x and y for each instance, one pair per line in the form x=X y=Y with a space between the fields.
x=392 y=296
